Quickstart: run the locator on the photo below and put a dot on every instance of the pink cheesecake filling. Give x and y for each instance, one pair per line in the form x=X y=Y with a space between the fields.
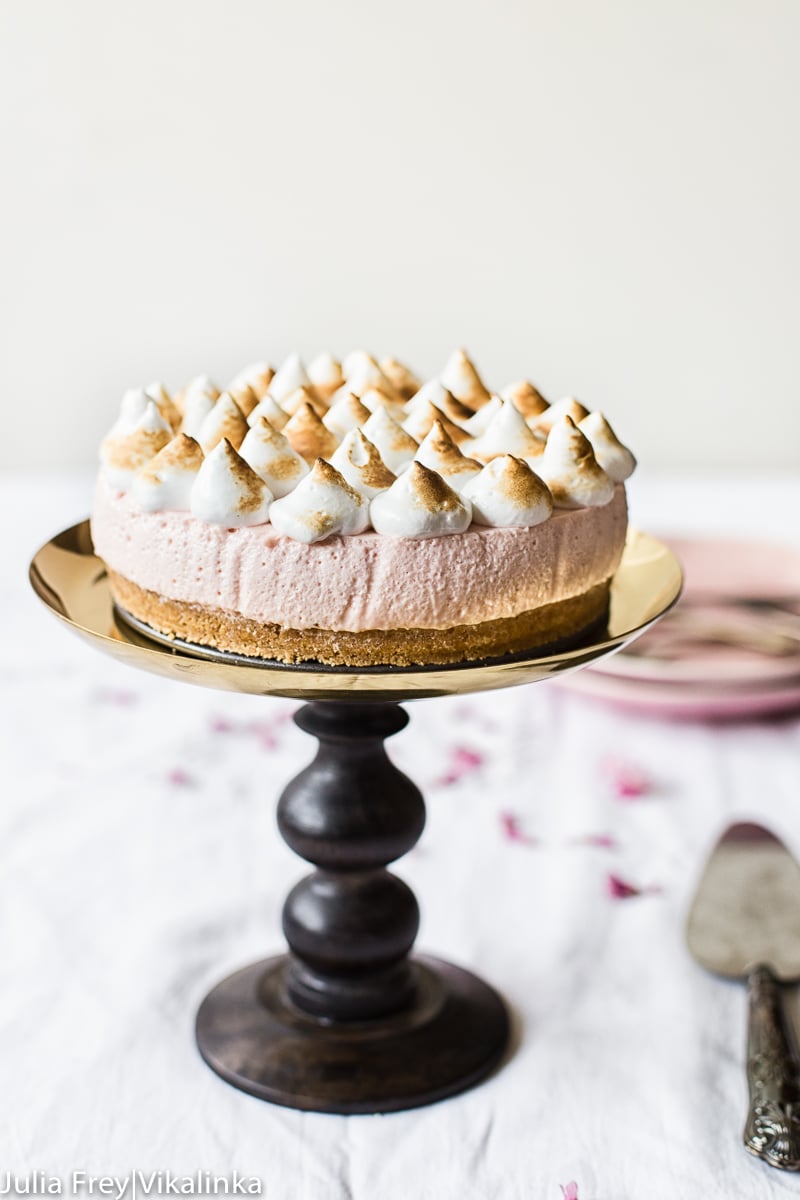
x=364 y=581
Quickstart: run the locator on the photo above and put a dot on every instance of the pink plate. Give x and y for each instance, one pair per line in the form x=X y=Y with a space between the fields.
x=683 y=702
x=747 y=595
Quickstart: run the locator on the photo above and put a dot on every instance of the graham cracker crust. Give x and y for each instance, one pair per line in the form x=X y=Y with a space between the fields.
x=563 y=622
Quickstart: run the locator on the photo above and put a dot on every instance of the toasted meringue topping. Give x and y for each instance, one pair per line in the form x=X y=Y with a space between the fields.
x=269 y=408
x=301 y=396
x=571 y=471
x=479 y=422
x=420 y=505
x=434 y=392
x=460 y=377
x=527 y=399
x=271 y=456
x=420 y=422
x=404 y=381
x=258 y=376
x=615 y=459
x=228 y=492
x=246 y=398
x=199 y=399
x=361 y=372
x=166 y=405
x=347 y=413
x=506 y=433
x=165 y=483
x=439 y=452
x=131 y=409
x=507 y=493
x=226 y=420
x=308 y=436
x=290 y=376
x=362 y=466
x=123 y=454
x=566 y=407
x=396 y=447
x=325 y=372
x=322 y=504
x=374 y=398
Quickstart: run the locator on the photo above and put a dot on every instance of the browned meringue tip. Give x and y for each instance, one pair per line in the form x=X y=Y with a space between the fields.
x=432 y=491
x=401 y=377
x=308 y=436
x=460 y=376
x=246 y=397
x=373 y=471
x=226 y=420
x=325 y=472
x=304 y=395
x=421 y=424
x=443 y=445
x=528 y=399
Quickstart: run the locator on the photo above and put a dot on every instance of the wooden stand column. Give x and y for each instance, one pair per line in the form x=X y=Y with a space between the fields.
x=348 y=1021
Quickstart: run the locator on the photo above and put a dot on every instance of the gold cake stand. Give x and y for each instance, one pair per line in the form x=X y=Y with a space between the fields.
x=348 y=1021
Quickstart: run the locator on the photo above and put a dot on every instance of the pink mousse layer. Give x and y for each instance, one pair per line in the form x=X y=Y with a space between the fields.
x=366 y=581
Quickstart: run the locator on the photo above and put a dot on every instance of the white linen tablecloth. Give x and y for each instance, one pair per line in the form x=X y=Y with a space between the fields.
x=141 y=863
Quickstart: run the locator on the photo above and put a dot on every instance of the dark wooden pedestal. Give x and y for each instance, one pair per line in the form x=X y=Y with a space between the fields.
x=348 y=1021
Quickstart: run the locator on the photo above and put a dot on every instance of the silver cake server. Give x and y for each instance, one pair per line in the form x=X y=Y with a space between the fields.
x=745 y=924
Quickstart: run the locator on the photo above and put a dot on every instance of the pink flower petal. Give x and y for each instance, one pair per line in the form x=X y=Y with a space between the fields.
x=180 y=778
x=463 y=761
x=220 y=725
x=628 y=780
x=513 y=831
x=620 y=889
x=569 y=1190
x=603 y=841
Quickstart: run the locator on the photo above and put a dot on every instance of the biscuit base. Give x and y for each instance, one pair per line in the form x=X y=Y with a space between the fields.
x=560 y=624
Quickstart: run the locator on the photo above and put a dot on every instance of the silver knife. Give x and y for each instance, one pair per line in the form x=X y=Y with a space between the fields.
x=745 y=924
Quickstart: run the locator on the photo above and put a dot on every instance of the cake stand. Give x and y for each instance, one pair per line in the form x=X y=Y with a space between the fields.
x=348 y=1021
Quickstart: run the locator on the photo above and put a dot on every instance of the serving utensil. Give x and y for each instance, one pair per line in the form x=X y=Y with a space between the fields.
x=745 y=924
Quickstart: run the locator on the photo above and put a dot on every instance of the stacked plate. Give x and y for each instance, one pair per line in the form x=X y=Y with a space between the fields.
x=730 y=648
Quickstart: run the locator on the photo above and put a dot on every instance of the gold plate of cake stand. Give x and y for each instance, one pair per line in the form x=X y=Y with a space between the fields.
x=349 y=1021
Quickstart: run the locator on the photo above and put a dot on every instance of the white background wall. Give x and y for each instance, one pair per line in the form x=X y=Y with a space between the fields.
x=603 y=196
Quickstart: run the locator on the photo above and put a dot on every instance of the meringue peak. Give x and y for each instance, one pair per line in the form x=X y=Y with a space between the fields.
x=360 y=463
x=421 y=418
x=527 y=398
x=226 y=420
x=345 y=414
x=271 y=410
x=439 y=453
x=165 y=482
x=290 y=376
x=124 y=453
x=300 y=396
x=325 y=372
x=568 y=406
x=228 y=492
x=570 y=469
x=271 y=456
x=395 y=446
x=420 y=504
x=323 y=503
x=506 y=433
x=508 y=493
x=401 y=378
x=616 y=459
x=462 y=379
x=308 y=436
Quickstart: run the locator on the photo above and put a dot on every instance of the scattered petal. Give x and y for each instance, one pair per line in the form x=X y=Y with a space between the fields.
x=628 y=780
x=620 y=889
x=513 y=831
x=220 y=725
x=180 y=778
x=603 y=841
x=463 y=761
x=569 y=1191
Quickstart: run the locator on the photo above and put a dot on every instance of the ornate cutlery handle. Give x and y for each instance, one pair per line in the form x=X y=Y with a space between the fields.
x=773 y=1075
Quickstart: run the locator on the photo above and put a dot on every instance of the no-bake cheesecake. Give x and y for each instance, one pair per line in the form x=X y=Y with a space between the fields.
x=349 y=514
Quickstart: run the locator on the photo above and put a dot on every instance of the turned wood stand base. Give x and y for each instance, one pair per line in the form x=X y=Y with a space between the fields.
x=348 y=1021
